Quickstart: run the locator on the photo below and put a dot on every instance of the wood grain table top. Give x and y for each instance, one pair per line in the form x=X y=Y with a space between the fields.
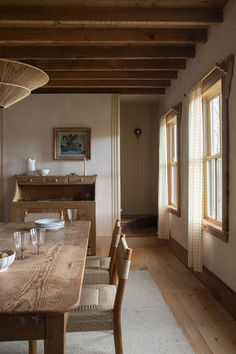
x=49 y=282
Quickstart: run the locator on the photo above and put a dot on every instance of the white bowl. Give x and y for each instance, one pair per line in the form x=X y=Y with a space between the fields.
x=43 y=172
x=7 y=261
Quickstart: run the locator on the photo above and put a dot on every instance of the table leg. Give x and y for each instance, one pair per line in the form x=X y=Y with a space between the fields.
x=55 y=339
x=32 y=347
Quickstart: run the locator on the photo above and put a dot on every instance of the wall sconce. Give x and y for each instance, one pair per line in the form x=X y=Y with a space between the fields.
x=137 y=132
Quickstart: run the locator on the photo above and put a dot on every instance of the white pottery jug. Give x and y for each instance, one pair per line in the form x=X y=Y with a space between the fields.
x=30 y=167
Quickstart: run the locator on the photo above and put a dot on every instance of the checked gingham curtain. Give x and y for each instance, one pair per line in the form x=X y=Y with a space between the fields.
x=196 y=181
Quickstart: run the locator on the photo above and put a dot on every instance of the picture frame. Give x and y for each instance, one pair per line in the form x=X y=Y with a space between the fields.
x=72 y=143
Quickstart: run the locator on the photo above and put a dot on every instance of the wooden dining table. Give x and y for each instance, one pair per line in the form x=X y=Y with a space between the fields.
x=36 y=294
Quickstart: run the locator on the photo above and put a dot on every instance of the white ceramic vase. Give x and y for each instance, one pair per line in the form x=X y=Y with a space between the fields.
x=30 y=166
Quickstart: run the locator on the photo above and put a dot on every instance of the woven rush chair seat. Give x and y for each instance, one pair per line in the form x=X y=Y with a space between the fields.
x=100 y=304
x=96 y=276
x=95 y=310
x=98 y=262
x=33 y=216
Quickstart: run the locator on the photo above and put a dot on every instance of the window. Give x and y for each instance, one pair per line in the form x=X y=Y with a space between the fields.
x=173 y=158
x=215 y=95
x=212 y=120
x=172 y=162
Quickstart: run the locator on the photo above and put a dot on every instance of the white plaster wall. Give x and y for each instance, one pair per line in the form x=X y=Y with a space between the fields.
x=219 y=257
x=138 y=158
x=28 y=132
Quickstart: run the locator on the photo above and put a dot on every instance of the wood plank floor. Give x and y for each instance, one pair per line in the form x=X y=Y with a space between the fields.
x=206 y=325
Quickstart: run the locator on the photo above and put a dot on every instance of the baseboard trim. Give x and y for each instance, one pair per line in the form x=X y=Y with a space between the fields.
x=225 y=295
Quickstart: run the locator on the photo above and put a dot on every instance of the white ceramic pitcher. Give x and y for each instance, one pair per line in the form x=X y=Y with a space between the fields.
x=30 y=166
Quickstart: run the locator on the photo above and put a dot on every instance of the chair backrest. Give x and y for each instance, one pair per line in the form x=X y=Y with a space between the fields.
x=123 y=259
x=115 y=243
x=32 y=216
x=113 y=238
x=122 y=265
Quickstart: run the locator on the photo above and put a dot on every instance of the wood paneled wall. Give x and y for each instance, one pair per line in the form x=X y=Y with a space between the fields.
x=139 y=159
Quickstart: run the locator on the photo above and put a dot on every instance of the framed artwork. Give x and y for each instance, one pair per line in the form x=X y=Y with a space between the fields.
x=72 y=143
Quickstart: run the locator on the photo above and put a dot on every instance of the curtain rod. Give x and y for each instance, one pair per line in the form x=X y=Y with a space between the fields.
x=223 y=65
x=219 y=66
x=173 y=108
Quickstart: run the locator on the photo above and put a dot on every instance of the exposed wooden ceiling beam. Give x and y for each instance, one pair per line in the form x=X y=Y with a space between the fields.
x=108 y=83
x=109 y=48
x=97 y=52
x=112 y=64
x=55 y=36
x=111 y=75
x=122 y=91
x=117 y=3
x=110 y=15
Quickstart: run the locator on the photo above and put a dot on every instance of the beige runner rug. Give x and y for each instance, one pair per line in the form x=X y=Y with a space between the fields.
x=147 y=323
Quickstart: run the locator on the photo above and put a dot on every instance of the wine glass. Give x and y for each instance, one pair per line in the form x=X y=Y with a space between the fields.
x=72 y=215
x=21 y=242
x=37 y=237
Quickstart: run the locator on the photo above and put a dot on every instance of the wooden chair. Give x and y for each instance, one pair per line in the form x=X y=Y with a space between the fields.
x=100 y=304
x=99 y=270
x=98 y=262
x=31 y=215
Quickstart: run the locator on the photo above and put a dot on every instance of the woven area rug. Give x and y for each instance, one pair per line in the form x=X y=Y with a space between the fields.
x=147 y=323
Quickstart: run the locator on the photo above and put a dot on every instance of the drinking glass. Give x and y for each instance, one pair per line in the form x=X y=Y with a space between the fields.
x=72 y=215
x=21 y=242
x=37 y=237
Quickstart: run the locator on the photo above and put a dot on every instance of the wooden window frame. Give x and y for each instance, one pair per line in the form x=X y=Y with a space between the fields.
x=171 y=162
x=213 y=92
x=174 y=113
x=222 y=71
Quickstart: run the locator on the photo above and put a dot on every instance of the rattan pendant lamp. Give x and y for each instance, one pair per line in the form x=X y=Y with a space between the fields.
x=17 y=80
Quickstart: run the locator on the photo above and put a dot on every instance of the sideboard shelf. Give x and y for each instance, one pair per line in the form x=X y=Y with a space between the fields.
x=47 y=194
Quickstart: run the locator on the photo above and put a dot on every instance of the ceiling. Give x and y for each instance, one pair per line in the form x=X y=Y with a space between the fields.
x=106 y=46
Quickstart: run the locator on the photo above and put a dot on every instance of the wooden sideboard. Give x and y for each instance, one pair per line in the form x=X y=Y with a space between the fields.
x=48 y=194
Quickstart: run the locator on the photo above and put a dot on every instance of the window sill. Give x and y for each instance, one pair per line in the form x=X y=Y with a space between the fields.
x=215 y=230
x=174 y=211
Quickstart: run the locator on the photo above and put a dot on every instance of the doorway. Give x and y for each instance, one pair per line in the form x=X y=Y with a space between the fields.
x=138 y=162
